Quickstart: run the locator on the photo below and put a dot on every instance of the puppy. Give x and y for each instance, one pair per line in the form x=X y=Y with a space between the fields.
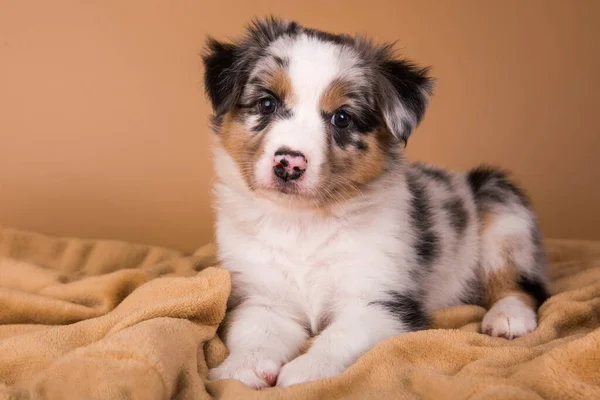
x=327 y=231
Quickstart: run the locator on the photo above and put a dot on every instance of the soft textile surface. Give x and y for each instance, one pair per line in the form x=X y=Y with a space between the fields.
x=111 y=320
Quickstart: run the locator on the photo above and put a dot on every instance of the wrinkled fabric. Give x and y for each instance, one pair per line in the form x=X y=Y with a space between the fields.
x=100 y=319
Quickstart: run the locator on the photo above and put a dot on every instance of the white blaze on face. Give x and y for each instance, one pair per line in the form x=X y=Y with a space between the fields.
x=313 y=65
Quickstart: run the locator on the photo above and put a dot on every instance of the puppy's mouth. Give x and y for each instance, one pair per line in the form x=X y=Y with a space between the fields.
x=291 y=193
x=296 y=195
x=286 y=189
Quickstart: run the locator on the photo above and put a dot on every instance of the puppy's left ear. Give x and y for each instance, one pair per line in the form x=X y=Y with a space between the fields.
x=405 y=90
x=223 y=80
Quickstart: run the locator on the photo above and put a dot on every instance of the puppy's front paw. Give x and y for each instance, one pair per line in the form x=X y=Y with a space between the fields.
x=255 y=369
x=308 y=368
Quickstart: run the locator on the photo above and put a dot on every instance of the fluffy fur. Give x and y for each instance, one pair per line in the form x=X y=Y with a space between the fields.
x=359 y=245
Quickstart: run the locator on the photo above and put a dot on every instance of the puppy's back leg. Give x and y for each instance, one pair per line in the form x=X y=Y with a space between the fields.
x=512 y=306
x=511 y=268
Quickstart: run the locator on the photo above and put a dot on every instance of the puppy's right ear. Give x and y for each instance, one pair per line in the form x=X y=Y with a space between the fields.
x=222 y=75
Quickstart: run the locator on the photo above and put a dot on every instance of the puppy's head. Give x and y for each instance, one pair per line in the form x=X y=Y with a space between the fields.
x=309 y=116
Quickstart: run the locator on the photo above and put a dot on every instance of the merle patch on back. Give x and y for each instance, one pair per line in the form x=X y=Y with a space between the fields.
x=459 y=218
x=493 y=186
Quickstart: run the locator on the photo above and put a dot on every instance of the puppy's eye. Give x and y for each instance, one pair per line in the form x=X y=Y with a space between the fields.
x=341 y=119
x=267 y=105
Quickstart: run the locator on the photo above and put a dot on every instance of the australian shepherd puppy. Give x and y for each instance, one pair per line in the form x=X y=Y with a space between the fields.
x=327 y=231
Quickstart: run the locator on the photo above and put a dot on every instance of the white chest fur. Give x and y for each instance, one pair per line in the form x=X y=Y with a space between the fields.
x=304 y=263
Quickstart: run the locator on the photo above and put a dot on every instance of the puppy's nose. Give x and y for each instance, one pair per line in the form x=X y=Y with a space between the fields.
x=289 y=165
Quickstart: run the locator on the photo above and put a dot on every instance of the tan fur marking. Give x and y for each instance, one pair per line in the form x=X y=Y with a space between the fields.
x=486 y=220
x=244 y=147
x=334 y=96
x=503 y=283
x=368 y=164
x=279 y=83
x=350 y=168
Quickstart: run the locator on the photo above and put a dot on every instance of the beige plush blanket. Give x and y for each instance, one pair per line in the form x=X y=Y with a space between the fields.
x=82 y=319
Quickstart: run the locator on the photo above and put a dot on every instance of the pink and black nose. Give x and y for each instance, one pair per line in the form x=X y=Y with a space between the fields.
x=289 y=165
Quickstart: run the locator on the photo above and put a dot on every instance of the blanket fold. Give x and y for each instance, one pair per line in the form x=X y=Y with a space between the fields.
x=99 y=319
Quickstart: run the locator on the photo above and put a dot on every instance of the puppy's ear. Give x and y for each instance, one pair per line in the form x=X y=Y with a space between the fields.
x=404 y=94
x=222 y=75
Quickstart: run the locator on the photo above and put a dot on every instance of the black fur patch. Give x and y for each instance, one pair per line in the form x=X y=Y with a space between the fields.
x=341 y=137
x=409 y=82
x=492 y=185
x=265 y=119
x=473 y=291
x=459 y=218
x=427 y=241
x=535 y=288
x=364 y=122
x=410 y=86
x=263 y=122
x=407 y=309
x=219 y=88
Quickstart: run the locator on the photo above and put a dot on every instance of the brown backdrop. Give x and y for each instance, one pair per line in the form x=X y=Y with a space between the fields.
x=103 y=120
